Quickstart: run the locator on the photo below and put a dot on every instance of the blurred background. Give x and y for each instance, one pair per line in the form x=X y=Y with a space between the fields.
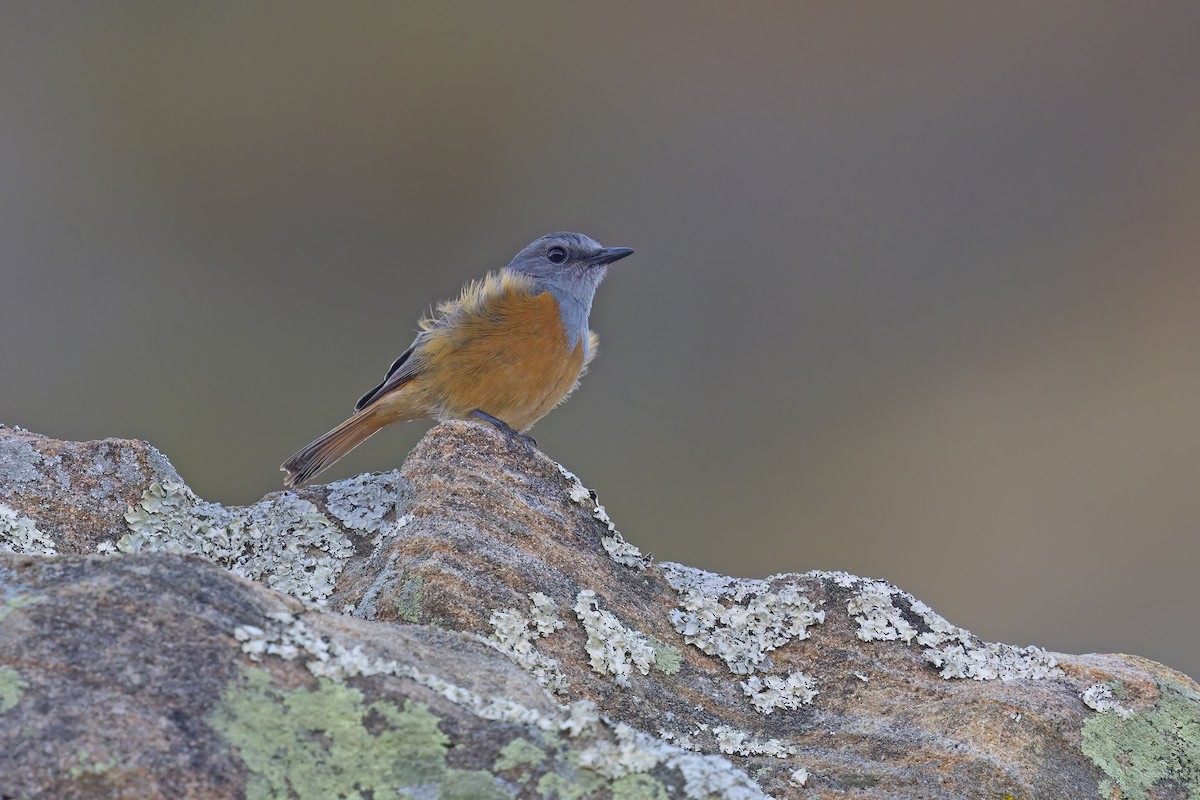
x=915 y=296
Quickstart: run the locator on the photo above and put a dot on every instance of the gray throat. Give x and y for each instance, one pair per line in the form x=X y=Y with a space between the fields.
x=573 y=310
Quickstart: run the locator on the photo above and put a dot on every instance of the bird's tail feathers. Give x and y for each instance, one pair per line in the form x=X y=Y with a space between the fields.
x=316 y=457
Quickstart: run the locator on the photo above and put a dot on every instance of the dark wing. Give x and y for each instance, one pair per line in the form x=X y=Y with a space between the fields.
x=403 y=369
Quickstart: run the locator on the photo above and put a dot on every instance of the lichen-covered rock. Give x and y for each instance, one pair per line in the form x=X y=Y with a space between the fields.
x=164 y=676
x=78 y=490
x=571 y=665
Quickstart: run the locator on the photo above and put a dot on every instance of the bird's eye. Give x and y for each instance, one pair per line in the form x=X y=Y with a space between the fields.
x=556 y=254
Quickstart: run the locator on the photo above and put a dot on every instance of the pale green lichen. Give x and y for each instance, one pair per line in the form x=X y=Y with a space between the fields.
x=285 y=542
x=519 y=753
x=1150 y=753
x=639 y=787
x=466 y=784
x=11 y=604
x=86 y=765
x=328 y=742
x=408 y=600
x=667 y=659
x=12 y=687
x=19 y=534
x=575 y=784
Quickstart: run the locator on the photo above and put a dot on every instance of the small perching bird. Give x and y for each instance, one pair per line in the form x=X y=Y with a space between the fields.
x=509 y=349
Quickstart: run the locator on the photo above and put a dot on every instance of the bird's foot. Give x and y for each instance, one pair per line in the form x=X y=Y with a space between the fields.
x=505 y=427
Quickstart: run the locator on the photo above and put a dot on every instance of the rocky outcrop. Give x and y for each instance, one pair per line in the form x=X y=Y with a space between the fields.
x=473 y=626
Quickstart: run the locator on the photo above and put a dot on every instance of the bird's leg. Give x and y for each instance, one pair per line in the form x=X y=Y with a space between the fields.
x=504 y=426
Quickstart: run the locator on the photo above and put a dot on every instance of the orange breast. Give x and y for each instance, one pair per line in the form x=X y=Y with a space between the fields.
x=508 y=357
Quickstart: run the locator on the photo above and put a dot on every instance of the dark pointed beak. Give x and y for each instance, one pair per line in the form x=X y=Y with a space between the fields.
x=610 y=254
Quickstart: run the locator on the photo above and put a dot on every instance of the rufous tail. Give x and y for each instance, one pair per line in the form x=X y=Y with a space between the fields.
x=316 y=457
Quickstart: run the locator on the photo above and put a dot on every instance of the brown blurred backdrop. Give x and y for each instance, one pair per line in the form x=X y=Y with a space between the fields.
x=915 y=293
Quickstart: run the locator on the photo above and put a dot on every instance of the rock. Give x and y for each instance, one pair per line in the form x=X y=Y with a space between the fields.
x=472 y=625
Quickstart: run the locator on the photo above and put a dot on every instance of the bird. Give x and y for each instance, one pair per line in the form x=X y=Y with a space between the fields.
x=511 y=347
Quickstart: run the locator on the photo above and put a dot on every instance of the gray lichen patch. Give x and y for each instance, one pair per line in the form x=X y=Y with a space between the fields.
x=114 y=465
x=733 y=741
x=1100 y=697
x=1148 y=754
x=738 y=620
x=612 y=648
x=877 y=616
x=957 y=652
x=129 y=471
x=773 y=692
x=622 y=552
x=631 y=752
x=619 y=550
x=285 y=542
x=385 y=580
x=730 y=740
x=19 y=534
x=19 y=463
x=367 y=503
x=514 y=633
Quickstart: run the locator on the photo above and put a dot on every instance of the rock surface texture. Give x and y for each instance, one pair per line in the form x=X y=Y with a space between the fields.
x=473 y=626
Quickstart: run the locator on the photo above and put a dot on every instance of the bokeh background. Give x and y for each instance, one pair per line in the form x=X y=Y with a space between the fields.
x=917 y=289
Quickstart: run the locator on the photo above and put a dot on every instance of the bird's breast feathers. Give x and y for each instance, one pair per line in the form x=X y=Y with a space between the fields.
x=502 y=348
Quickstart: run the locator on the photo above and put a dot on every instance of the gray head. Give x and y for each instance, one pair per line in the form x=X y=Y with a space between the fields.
x=570 y=266
x=570 y=263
